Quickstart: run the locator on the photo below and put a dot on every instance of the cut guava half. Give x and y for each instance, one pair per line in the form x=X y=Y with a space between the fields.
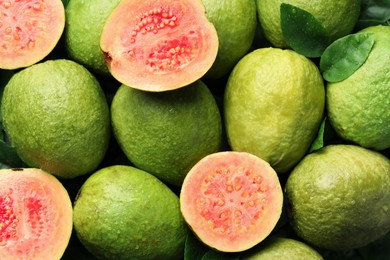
x=35 y=215
x=231 y=200
x=29 y=31
x=159 y=45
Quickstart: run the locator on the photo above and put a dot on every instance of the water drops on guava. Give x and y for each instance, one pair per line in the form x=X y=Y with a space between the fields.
x=126 y=213
x=56 y=116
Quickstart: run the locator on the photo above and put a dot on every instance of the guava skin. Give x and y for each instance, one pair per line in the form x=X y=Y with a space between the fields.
x=339 y=197
x=274 y=103
x=122 y=212
x=61 y=123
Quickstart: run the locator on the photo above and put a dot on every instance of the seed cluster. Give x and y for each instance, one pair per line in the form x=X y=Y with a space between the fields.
x=166 y=55
x=8 y=220
x=228 y=207
x=19 y=20
x=154 y=21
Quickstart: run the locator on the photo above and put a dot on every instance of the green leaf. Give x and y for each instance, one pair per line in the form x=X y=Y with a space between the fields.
x=345 y=55
x=302 y=31
x=318 y=142
x=326 y=135
x=194 y=249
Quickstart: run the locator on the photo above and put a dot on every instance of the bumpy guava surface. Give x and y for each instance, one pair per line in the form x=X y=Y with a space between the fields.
x=166 y=133
x=122 y=212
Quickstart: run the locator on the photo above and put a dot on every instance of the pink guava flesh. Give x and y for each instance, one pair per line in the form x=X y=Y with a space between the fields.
x=29 y=30
x=159 y=45
x=35 y=215
x=231 y=200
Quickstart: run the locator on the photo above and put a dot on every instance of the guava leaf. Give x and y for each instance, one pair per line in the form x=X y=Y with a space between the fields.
x=345 y=55
x=318 y=142
x=194 y=249
x=215 y=255
x=302 y=31
x=326 y=135
x=65 y=2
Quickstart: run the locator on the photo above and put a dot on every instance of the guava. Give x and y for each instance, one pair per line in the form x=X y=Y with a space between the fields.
x=235 y=22
x=56 y=116
x=274 y=102
x=159 y=45
x=122 y=212
x=29 y=31
x=338 y=17
x=83 y=27
x=36 y=215
x=359 y=106
x=166 y=133
x=275 y=247
x=231 y=200
x=338 y=197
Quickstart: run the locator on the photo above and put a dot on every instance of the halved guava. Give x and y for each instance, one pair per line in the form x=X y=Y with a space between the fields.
x=29 y=31
x=35 y=215
x=231 y=200
x=159 y=45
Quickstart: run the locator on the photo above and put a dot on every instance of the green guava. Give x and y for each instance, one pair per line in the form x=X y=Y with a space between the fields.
x=338 y=198
x=159 y=45
x=231 y=200
x=235 y=22
x=166 y=133
x=359 y=106
x=274 y=248
x=36 y=215
x=57 y=118
x=337 y=17
x=273 y=106
x=122 y=212
x=29 y=31
x=83 y=28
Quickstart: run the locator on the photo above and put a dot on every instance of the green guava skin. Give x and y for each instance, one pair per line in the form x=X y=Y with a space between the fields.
x=359 y=106
x=166 y=133
x=282 y=248
x=57 y=118
x=122 y=212
x=337 y=17
x=273 y=106
x=235 y=22
x=84 y=24
x=339 y=197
